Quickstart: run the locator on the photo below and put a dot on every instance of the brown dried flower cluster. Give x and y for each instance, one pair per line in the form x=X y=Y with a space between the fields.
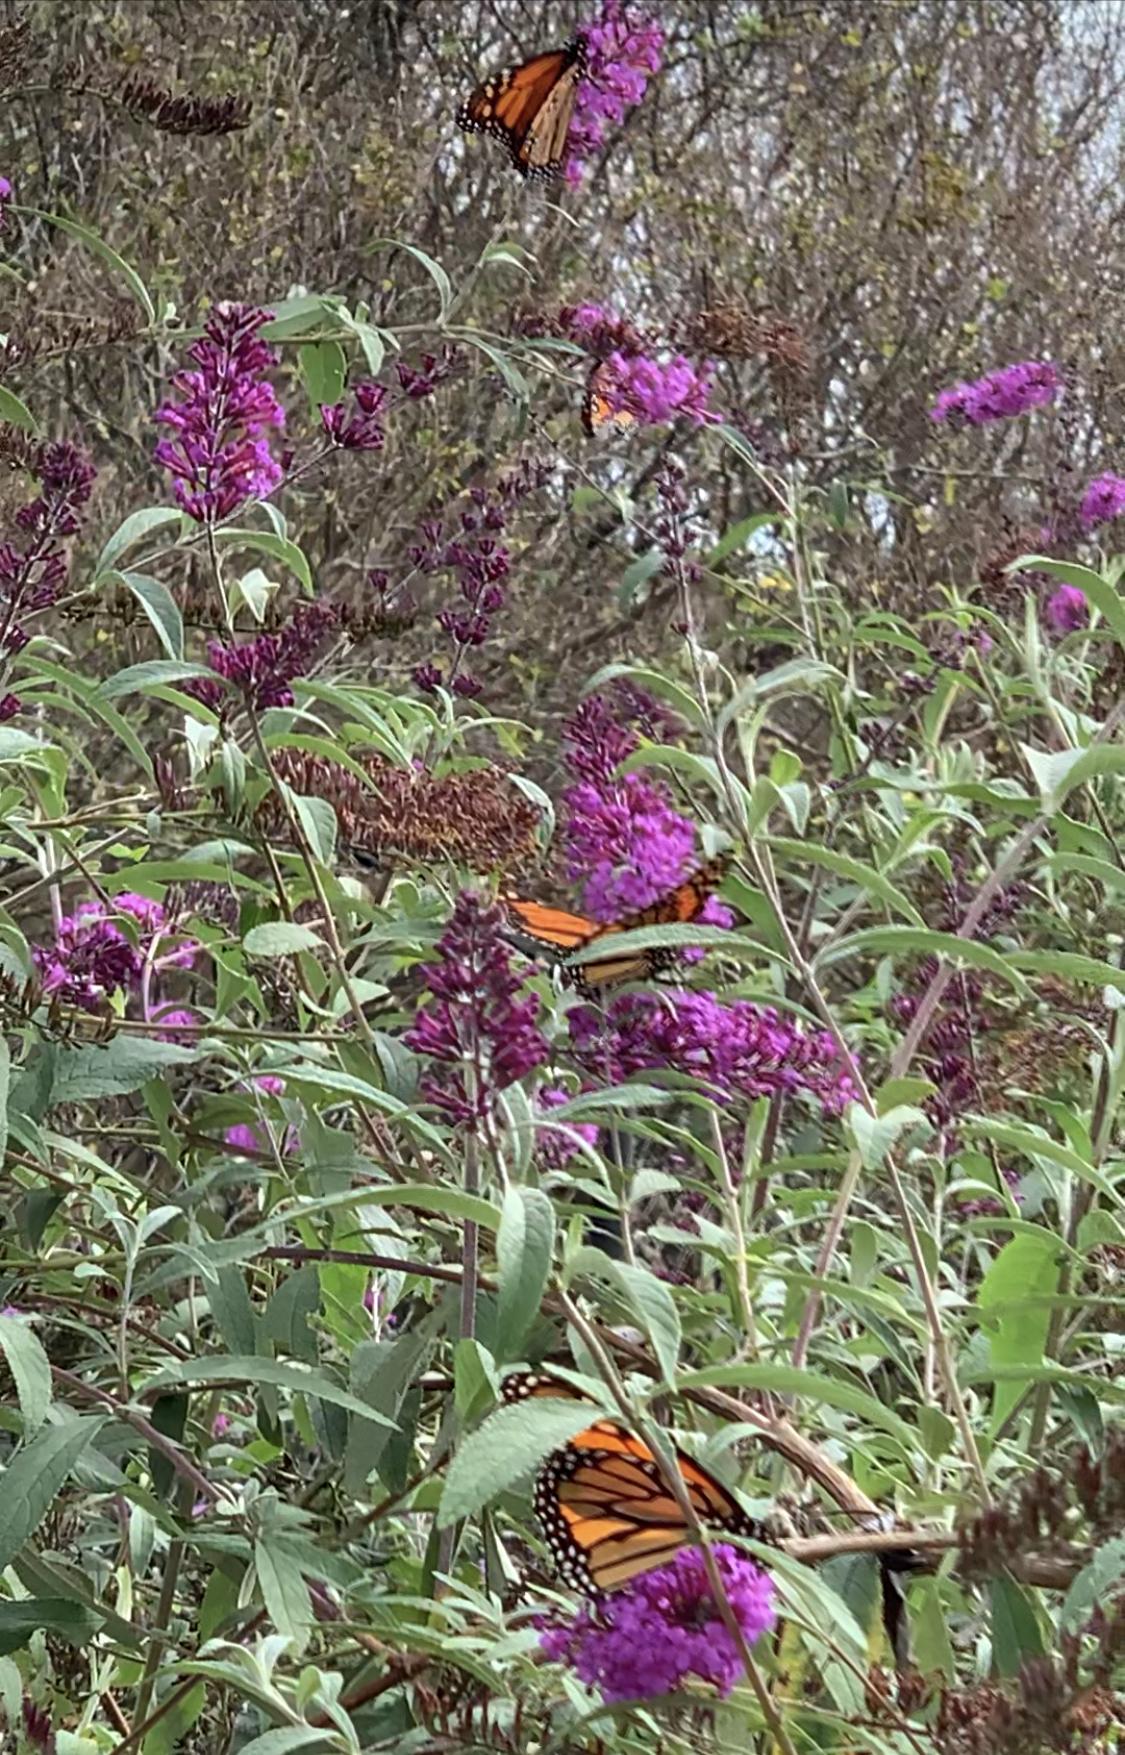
x=1038 y=1516
x=478 y=818
x=1049 y=1710
x=179 y=113
x=735 y=332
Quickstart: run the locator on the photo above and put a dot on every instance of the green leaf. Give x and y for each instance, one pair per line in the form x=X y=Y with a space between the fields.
x=810 y=1386
x=511 y=1443
x=32 y=1481
x=232 y=1310
x=1037 y=1145
x=284 y=1591
x=434 y=269
x=30 y=1369
x=1026 y=1268
x=277 y=1373
x=131 y=530
x=1057 y=775
x=645 y=1296
x=15 y=412
x=853 y=870
x=524 y=1246
x=323 y=368
x=266 y=542
x=911 y=940
x=285 y=1739
x=1109 y=604
x=99 y=247
x=1096 y=1583
x=1016 y=1634
x=5 y=1087
x=876 y=1134
x=161 y=609
x=138 y=679
x=280 y=938
x=72 y=1621
x=123 y=1066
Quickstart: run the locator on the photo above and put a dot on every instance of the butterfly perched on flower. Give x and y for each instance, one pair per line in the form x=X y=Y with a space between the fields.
x=530 y=108
x=562 y=933
x=606 y=1510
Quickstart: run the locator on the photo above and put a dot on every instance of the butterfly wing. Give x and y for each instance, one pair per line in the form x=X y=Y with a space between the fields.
x=554 y=928
x=603 y=1502
x=678 y=908
x=599 y=414
x=529 y=108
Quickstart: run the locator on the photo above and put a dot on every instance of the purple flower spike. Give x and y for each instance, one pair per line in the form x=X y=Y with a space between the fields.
x=623 y=839
x=1067 y=610
x=737 y=1049
x=219 y=455
x=553 y=1147
x=623 y=50
x=360 y=429
x=645 y=1640
x=32 y=576
x=999 y=395
x=1103 y=500
x=264 y=668
x=5 y=197
x=482 y=1037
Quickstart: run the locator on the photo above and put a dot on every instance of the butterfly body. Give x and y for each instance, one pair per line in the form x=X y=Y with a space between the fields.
x=529 y=108
x=605 y=1508
x=599 y=408
x=558 y=931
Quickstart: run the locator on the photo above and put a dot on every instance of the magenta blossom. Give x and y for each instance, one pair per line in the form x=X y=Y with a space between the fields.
x=655 y=393
x=623 y=49
x=1103 y=500
x=219 y=455
x=244 y=1138
x=5 y=197
x=32 y=575
x=736 y=1048
x=1009 y=391
x=623 y=840
x=647 y=1639
x=1067 y=610
x=264 y=668
x=93 y=957
x=359 y=428
x=481 y=1035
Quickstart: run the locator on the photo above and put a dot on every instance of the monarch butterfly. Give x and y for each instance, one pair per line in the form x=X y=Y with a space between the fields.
x=603 y=1502
x=557 y=930
x=529 y=108
x=598 y=411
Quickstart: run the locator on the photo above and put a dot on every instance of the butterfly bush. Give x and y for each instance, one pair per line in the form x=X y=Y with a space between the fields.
x=263 y=669
x=1103 y=500
x=219 y=453
x=647 y=1639
x=1067 y=610
x=623 y=50
x=33 y=568
x=621 y=836
x=999 y=395
x=5 y=198
x=93 y=957
x=736 y=1048
x=481 y=1035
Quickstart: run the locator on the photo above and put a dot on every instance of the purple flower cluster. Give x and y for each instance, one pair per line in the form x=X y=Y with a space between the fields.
x=621 y=836
x=999 y=395
x=418 y=382
x=359 y=428
x=623 y=50
x=263 y=669
x=1104 y=499
x=5 y=197
x=483 y=1038
x=554 y=1148
x=736 y=1048
x=479 y=562
x=1066 y=610
x=219 y=455
x=93 y=956
x=32 y=576
x=646 y=1640
x=599 y=330
x=655 y=393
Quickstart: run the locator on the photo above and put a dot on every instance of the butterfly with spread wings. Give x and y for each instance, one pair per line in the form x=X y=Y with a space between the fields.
x=561 y=933
x=600 y=411
x=530 y=108
x=606 y=1510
